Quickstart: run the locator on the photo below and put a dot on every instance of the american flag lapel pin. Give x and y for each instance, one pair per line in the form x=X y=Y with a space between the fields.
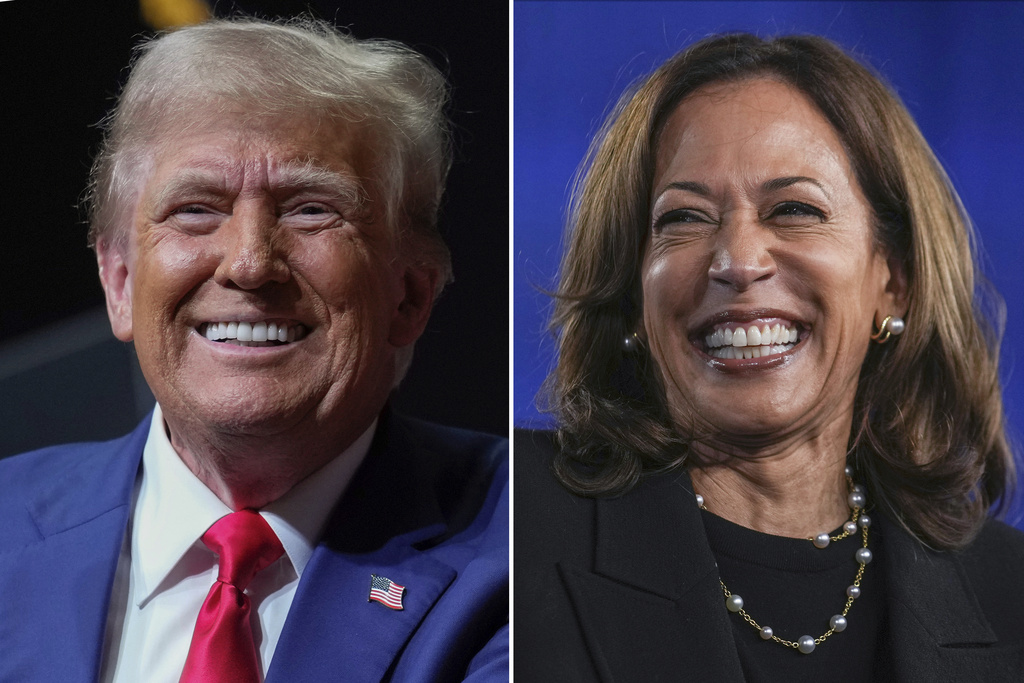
x=386 y=592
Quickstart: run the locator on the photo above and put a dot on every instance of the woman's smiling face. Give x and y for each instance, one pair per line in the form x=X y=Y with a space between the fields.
x=761 y=278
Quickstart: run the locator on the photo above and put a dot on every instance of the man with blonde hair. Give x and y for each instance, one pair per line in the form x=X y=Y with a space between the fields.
x=264 y=214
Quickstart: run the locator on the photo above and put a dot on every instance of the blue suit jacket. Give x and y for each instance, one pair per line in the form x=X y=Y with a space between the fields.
x=428 y=509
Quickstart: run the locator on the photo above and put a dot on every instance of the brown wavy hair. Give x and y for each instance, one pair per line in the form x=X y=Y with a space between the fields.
x=928 y=437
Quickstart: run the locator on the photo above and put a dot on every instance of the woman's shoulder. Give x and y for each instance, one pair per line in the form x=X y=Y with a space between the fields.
x=545 y=510
x=993 y=564
x=996 y=555
x=535 y=443
x=534 y=457
x=535 y=452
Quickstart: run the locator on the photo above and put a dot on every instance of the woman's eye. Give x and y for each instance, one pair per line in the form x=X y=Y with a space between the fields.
x=312 y=210
x=679 y=216
x=795 y=209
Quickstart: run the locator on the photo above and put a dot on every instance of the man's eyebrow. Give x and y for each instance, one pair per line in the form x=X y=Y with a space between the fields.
x=312 y=176
x=209 y=180
x=776 y=184
x=288 y=177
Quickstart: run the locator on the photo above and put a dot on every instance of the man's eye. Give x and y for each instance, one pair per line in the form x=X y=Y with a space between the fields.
x=190 y=209
x=309 y=209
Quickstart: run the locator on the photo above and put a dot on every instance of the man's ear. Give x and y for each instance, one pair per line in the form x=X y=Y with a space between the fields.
x=116 y=279
x=419 y=282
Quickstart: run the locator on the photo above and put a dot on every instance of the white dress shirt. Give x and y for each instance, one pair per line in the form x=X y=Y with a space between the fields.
x=165 y=571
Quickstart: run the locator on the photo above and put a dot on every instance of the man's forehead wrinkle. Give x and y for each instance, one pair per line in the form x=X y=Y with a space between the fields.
x=216 y=173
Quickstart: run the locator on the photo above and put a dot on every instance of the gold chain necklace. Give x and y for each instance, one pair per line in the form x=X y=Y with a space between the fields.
x=806 y=644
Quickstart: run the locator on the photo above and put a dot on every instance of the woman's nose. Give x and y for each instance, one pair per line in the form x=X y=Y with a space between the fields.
x=252 y=255
x=741 y=253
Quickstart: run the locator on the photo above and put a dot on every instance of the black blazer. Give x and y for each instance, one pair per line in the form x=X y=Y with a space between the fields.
x=626 y=589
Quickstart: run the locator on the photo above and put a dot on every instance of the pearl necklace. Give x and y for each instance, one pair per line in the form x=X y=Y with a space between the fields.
x=806 y=644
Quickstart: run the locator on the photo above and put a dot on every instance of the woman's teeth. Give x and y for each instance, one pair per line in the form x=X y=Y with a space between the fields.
x=755 y=341
x=252 y=334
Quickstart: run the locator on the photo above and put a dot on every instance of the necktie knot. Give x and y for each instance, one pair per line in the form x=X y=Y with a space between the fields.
x=223 y=649
x=245 y=544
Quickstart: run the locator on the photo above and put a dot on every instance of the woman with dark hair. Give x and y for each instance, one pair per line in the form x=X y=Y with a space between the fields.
x=781 y=437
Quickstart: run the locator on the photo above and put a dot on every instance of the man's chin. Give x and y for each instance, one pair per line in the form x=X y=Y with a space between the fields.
x=238 y=414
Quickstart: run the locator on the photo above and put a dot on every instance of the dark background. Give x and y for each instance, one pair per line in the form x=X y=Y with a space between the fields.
x=62 y=374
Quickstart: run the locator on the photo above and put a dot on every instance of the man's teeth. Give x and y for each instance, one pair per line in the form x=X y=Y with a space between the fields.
x=248 y=333
x=754 y=341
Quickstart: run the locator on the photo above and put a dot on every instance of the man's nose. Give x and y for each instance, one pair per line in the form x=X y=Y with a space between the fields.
x=741 y=253
x=252 y=253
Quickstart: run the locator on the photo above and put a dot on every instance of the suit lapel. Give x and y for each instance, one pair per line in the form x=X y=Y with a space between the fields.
x=654 y=575
x=65 y=578
x=937 y=630
x=334 y=633
x=389 y=512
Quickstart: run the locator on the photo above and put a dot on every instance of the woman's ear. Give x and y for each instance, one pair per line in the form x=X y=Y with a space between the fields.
x=898 y=287
x=894 y=299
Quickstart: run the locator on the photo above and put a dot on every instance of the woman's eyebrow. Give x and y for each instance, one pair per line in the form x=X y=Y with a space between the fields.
x=688 y=186
x=772 y=185
x=787 y=181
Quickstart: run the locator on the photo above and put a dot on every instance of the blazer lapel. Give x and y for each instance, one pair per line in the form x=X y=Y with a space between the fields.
x=389 y=512
x=64 y=579
x=654 y=575
x=937 y=630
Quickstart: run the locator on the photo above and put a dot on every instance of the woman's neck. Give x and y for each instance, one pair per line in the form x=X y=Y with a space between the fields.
x=797 y=492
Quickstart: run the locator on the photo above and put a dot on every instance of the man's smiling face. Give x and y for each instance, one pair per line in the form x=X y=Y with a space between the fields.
x=260 y=283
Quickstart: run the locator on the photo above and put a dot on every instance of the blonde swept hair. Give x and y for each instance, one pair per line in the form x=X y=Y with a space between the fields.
x=301 y=66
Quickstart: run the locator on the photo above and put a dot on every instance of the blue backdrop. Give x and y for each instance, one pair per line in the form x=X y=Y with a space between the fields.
x=958 y=66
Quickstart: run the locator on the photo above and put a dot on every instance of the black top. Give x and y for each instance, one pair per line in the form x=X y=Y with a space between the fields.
x=624 y=589
x=795 y=588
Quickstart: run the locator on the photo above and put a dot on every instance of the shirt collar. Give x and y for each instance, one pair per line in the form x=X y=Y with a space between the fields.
x=174 y=509
x=298 y=517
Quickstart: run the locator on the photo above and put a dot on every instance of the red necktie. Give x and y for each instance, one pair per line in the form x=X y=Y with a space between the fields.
x=222 y=649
